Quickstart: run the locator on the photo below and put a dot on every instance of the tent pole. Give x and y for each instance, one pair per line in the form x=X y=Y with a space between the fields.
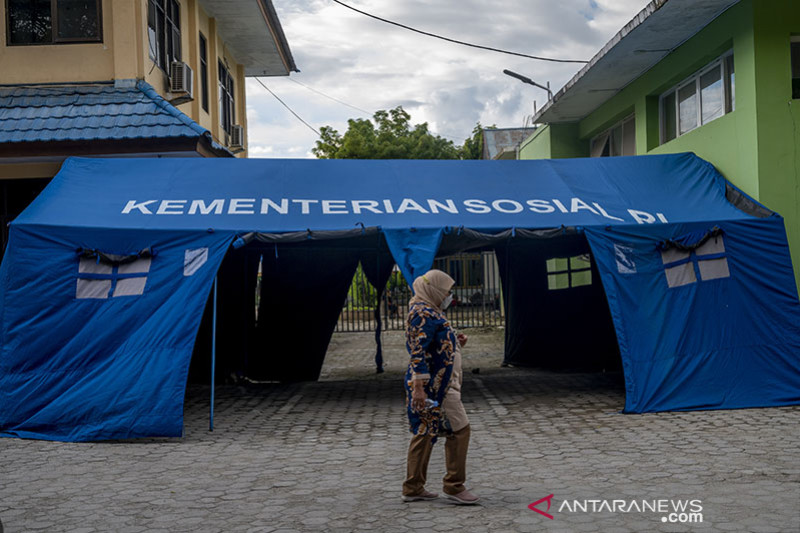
x=213 y=355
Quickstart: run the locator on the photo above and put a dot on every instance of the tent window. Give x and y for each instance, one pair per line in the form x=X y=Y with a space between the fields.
x=708 y=261
x=680 y=271
x=567 y=272
x=711 y=260
x=101 y=280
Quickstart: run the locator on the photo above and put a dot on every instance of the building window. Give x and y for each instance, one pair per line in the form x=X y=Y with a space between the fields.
x=795 y=55
x=706 y=95
x=53 y=21
x=620 y=139
x=204 y=72
x=103 y=276
x=164 y=32
x=567 y=272
x=227 y=113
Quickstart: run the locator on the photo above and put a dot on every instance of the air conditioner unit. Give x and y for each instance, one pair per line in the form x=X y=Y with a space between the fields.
x=181 y=83
x=237 y=137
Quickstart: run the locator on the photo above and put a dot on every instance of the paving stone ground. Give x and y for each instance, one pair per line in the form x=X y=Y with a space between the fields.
x=330 y=456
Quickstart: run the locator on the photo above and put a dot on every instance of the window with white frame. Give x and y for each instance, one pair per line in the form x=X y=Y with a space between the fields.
x=102 y=276
x=702 y=97
x=620 y=139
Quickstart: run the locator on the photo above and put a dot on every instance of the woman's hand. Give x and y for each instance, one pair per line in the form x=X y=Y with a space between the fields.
x=462 y=339
x=418 y=396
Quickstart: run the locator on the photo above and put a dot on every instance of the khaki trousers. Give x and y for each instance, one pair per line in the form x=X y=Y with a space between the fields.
x=455 y=458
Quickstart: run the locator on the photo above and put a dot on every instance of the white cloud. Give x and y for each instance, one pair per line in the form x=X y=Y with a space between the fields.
x=372 y=65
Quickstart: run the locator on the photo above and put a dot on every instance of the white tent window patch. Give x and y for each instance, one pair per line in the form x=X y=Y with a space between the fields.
x=624 y=258
x=101 y=280
x=193 y=259
x=706 y=262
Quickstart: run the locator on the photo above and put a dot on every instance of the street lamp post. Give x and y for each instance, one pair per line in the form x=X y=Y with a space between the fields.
x=525 y=79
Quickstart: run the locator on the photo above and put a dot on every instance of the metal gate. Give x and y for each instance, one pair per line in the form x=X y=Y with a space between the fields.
x=477 y=296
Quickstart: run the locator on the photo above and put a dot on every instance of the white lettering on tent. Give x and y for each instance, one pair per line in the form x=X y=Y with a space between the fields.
x=435 y=205
x=516 y=207
x=305 y=203
x=540 y=206
x=603 y=212
x=477 y=206
x=410 y=205
x=242 y=206
x=141 y=206
x=641 y=217
x=387 y=204
x=367 y=205
x=200 y=206
x=578 y=204
x=560 y=206
x=171 y=207
x=661 y=217
x=267 y=204
x=334 y=207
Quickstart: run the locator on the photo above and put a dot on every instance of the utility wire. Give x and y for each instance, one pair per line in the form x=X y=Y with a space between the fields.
x=540 y=58
x=358 y=108
x=330 y=97
x=287 y=107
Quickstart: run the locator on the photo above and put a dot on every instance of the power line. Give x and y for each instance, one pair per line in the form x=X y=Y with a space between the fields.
x=457 y=41
x=358 y=108
x=330 y=97
x=287 y=107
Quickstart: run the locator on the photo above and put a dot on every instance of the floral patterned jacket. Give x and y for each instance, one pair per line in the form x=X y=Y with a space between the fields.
x=430 y=342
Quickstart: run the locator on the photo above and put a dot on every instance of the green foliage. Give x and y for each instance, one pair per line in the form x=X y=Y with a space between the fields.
x=473 y=146
x=389 y=135
x=361 y=295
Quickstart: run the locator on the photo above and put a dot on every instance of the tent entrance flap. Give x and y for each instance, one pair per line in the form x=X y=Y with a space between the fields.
x=557 y=316
x=278 y=327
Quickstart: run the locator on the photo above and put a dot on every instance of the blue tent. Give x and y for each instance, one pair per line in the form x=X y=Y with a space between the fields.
x=107 y=273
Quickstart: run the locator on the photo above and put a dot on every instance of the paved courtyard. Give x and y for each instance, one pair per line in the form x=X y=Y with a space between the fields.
x=330 y=456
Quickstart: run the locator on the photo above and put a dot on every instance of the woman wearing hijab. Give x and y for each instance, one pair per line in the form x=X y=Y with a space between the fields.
x=434 y=375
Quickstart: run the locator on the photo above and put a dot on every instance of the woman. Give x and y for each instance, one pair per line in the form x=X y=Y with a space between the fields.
x=434 y=374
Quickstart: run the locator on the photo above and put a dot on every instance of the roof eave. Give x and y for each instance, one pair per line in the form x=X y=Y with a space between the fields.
x=552 y=112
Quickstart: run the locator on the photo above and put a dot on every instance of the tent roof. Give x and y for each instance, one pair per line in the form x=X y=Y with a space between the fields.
x=275 y=196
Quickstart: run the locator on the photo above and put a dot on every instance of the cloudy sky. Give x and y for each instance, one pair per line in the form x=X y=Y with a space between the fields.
x=371 y=65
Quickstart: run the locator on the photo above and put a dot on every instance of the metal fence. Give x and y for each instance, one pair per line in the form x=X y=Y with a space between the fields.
x=477 y=296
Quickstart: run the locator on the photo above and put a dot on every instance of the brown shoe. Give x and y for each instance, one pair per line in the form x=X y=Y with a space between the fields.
x=423 y=496
x=464 y=497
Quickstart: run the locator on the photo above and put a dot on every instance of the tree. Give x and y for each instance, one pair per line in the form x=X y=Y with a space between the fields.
x=473 y=146
x=393 y=138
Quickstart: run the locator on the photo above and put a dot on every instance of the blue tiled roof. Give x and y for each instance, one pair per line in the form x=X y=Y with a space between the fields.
x=91 y=112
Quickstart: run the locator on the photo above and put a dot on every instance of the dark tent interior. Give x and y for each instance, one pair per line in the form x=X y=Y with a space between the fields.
x=305 y=279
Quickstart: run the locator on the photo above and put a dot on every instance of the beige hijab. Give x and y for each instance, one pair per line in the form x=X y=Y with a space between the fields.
x=432 y=288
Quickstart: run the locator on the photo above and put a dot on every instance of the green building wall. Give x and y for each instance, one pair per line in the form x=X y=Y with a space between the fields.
x=755 y=146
